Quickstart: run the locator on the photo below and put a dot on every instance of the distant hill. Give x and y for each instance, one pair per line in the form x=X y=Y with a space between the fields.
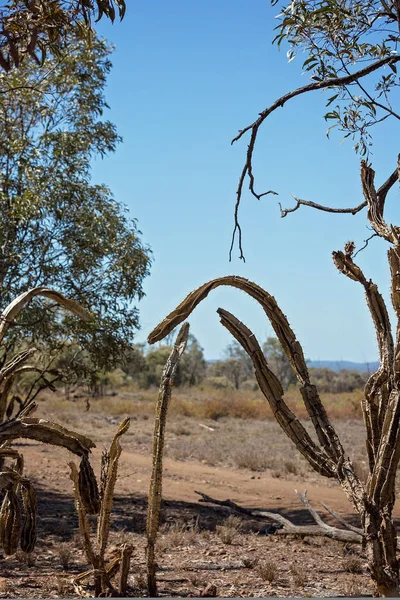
x=338 y=365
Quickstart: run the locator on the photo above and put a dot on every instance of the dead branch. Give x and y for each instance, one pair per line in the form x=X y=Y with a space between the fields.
x=366 y=242
x=375 y=202
x=381 y=194
x=299 y=202
x=342 y=521
x=255 y=126
x=322 y=529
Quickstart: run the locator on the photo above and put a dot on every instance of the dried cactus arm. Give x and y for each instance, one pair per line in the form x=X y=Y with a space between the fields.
x=15 y=363
x=292 y=348
x=272 y=390
x=28 y=532
x=7 y=376
x=379 y=385
x=103 y=524
x=46 y=432
x=126 y=554
x=17 y=305
x=7 y=477
x=324 y=462
x=394 y=263
x=84 y=527
x=19 y=458
x=155 y=491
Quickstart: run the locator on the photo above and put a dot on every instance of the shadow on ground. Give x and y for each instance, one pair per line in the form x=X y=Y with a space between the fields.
x=57 y=515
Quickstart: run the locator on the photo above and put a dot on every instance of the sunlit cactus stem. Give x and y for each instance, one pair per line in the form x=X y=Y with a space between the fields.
x=155 y=491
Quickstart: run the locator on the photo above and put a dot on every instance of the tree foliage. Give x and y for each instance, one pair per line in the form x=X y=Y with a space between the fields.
x=146 y=368
x=278 y=362
x=58 y=228
x=338 y=38
x=35 y=27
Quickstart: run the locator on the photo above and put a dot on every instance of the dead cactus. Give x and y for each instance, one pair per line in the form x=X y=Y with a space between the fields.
x=155 y=491
x=88 y=499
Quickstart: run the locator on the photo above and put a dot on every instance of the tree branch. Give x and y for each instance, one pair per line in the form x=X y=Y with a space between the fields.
x=381 y=194
x=299 y=202
x=285 y=526
x=254 y=127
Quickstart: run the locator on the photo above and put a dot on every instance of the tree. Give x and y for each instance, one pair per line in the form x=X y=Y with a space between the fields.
x=34 y=27
x=349 y=47
x=278 y=362
x=231 y=369
x=192 y=366
x=58 y=229
x=190 y=371
x=235 y=351
x=237 y=367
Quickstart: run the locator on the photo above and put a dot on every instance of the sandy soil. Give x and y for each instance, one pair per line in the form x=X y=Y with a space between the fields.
x=200 y=550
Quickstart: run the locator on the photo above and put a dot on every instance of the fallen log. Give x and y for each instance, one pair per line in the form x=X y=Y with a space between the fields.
x=282 y=525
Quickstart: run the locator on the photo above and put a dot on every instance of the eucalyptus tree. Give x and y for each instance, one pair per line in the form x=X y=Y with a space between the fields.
x=59 y=229
x=350 y=49
x=35 y=27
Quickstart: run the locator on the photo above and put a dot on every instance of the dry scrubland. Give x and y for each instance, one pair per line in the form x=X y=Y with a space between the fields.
x=223 y=443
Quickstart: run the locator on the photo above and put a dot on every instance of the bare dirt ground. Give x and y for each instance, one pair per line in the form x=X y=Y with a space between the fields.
x=201 y=549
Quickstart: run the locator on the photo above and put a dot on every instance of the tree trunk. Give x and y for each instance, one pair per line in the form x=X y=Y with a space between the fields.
x=380 y=546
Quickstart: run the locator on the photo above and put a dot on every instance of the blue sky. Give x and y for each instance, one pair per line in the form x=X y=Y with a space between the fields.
x=188 y=74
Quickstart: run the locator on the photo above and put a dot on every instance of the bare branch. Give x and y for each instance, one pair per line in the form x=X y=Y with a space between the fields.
x=343 y=521
x=381 y=194
x=299 y=202
x=286 y=526
x=366 y=242
x=255 y=126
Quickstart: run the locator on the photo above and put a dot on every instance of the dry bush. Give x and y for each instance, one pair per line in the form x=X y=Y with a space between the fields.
x=229 y=530
x=26 y=558
x=268 y=570
x=250 y=457
x=64 y=554
x=276 y=473
x=140 y=581
x=352 y=564
x=177 y=535
x=291 y=467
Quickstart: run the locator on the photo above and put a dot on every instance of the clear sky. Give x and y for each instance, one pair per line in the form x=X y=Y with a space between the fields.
x=188 y=74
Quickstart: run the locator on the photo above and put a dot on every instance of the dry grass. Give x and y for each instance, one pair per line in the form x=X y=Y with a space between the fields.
x=353 y=564
x=238 y=428
x=229 y=530
x=268 y=570
x=205 y=403
x=177 y=535
x=65 y=554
